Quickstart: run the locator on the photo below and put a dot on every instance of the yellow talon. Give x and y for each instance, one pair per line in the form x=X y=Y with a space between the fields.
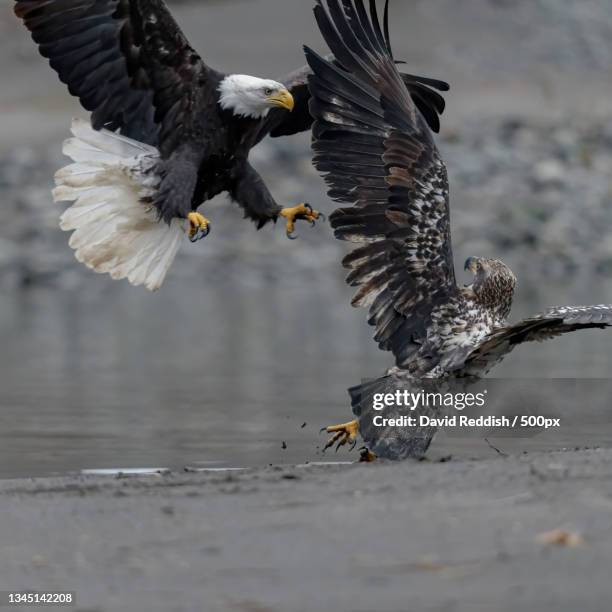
x=199 y=226
x=301 y=211
x=346 y=433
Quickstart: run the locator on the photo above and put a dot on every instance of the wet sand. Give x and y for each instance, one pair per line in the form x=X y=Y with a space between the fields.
x=453 y=536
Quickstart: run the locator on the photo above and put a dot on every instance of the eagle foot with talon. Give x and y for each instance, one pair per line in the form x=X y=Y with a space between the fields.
x=346 y=433
x=300 y=212
x=199 y=226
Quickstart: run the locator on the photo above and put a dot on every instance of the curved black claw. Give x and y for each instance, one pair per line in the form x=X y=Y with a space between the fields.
x=343 y=442
x=200 y=234
x=320 y=216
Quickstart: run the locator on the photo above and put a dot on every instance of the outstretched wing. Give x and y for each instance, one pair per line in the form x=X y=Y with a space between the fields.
x=126 y=60
x=377 y=153
x=552 y=323
x=280 y=123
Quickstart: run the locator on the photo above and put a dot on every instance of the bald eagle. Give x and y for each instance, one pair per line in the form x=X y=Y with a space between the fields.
x=377 y=154
x=167 y=132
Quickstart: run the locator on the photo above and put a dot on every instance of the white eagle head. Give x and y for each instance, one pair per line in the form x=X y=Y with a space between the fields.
x=248 y=96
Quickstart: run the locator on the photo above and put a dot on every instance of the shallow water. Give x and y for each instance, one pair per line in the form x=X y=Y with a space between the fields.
x=220 y=376
x=213 y=376
x=221 y=369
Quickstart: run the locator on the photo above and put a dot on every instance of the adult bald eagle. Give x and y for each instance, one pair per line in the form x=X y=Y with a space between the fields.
x=169 y=132
x=186 y=132
x=377 y=153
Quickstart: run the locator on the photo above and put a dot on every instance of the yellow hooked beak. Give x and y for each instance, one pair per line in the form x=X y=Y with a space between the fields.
x=282 y=99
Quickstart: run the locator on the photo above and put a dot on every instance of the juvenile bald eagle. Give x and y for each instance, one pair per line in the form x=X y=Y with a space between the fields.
x=169 y=132
x=377 y=153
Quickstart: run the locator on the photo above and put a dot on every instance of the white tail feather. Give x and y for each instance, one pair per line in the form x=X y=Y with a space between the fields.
x=114 y=232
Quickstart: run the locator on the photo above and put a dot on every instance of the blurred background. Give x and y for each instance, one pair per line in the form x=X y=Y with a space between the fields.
x=251 y=343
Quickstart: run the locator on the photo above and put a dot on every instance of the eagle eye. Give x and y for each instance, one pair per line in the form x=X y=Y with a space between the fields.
x=268 y=91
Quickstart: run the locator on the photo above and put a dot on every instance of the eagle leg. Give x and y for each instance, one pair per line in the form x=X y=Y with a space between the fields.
x=346 y=433
x=199 y=226
x=300 y=212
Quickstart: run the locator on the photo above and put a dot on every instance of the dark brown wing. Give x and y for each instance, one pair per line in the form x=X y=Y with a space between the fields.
x=552 y=323
x=280 y=123
x=377 y=153
x=126 y=60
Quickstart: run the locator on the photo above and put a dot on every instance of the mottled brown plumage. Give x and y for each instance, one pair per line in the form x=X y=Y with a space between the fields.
x=377 y=154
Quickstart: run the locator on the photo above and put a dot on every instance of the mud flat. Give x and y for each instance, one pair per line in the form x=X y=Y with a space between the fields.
x=532 y=532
